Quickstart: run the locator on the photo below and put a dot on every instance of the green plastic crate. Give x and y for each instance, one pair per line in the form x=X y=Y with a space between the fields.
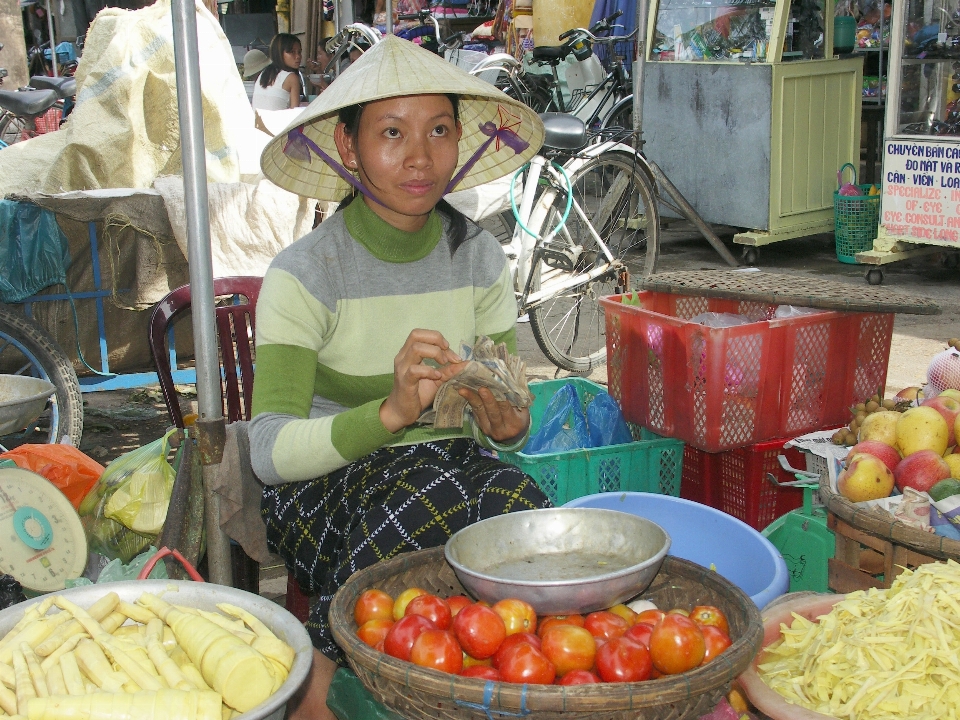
x=649 y=464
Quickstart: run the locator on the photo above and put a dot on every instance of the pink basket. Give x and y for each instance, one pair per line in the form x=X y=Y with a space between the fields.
x=723 y=388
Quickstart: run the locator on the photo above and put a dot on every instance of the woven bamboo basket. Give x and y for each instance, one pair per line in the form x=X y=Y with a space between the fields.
x=420 y=693
x=872 y=548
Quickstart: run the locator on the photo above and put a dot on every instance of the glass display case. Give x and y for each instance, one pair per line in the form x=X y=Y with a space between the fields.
x=736 y=31
x=920 y=205
x=750 y=113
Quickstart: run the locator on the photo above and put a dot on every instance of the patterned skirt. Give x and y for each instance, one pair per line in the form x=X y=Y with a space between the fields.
x=394 y=500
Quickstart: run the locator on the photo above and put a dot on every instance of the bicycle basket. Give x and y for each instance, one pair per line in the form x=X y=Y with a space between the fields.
x=855 y=220
x=468 y=59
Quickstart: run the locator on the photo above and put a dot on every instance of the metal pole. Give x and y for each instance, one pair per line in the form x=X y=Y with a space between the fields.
x=389 y=9
x=643 y=10
x=209 y=399
x=53 y=41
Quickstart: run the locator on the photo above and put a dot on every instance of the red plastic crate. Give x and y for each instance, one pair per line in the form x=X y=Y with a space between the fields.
x=723 y=388
x=736 y=481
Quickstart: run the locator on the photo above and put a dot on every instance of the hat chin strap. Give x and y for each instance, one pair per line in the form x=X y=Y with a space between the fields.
x=501 y=134
x=299 y=146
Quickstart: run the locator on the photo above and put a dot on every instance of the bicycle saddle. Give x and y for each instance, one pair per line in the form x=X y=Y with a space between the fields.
x=563 y=131
x=548 y=54
x=32 y=103
x=64 y=86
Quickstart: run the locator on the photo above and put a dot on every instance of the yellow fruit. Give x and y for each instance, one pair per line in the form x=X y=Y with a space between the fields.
x=953 y=461
x=866 y=478
x=922 y=428
x=881 y=426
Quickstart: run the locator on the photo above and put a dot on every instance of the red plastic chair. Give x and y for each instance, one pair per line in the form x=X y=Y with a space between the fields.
x=236 y=323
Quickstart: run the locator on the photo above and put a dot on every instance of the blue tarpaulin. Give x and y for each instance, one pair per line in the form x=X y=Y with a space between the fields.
x=34 y=252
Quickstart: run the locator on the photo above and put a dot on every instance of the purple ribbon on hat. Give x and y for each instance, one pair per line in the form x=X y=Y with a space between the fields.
x=504 y=133
x=298 y=147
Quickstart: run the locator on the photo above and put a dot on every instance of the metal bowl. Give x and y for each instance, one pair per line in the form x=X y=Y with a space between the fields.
x=22 y=399
x=560 y=560
x=204 y=596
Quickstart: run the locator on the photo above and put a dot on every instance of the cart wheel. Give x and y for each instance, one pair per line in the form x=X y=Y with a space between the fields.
x=751 y=255
x=874 y=276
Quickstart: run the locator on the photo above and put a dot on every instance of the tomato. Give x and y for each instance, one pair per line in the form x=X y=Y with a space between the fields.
x=400 y=638
x=523 y=663
x=605 y=624
x=623 y=660
x=640 y=633
x=678 y=611
x=479 y=630
x=551 y=620
x=676 y=644
x=457 y=603
x=484 y=672
x=625 y=612
x=512 y=640
x=437 y=649
x=579 y=677
x=651 y=616
x=517 y=615
x=373 y=605
x=710 y=615
x=373 y=631
x=403 y=599
x=715 y=640
x=569 y=647
x=431 y=607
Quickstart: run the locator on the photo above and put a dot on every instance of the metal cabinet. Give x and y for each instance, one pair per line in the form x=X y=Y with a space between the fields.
x=748 y=111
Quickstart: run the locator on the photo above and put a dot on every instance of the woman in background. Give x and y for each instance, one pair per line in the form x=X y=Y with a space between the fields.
x=278 y=87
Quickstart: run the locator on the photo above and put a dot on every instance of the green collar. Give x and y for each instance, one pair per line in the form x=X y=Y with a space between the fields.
x=384 y=241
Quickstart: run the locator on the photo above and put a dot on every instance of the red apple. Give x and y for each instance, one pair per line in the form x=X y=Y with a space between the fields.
x=921 y=471
x=949 y=408
x=887 y=453
x=909 y=393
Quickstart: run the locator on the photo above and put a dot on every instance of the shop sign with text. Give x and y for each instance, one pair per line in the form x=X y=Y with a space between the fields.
x=921 y=190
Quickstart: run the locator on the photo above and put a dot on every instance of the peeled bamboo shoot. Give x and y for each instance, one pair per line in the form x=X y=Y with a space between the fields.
x=94 y=663
x=98 y=611
x=242 y=675
x=267 y=643
x=33 y=667
x=166 y=704
x=8 y=700
x=54 y=657
x=71 y=675
x=55 y=684
x=25 y=689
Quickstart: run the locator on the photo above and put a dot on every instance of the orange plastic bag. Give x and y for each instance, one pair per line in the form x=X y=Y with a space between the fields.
x=72 y=471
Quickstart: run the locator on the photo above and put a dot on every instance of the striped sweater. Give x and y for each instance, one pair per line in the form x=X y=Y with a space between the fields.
x=334 y=310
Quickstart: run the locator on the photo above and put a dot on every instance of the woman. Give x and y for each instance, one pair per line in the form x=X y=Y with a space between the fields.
x=278 y=87
x=358 y=323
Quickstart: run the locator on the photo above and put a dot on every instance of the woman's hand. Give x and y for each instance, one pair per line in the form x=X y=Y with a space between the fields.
x=415 y=383
x=499 y=421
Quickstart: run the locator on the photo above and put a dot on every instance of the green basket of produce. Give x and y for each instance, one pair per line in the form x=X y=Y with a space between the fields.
x=648 y=464
x=856 y=216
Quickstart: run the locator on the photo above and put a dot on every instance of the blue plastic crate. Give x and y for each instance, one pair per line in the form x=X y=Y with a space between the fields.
x=649 y=464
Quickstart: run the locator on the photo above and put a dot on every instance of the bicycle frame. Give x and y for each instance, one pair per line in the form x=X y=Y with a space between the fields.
x=526 y=248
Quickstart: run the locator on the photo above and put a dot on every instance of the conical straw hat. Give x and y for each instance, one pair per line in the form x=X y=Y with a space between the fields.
x=503 y=131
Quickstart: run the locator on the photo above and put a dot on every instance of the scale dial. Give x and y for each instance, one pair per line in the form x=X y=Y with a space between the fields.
x=41 y=538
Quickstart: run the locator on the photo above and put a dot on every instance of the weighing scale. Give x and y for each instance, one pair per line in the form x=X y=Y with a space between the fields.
x=41 y=538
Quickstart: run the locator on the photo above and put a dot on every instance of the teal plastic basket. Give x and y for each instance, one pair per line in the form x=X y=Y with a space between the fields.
x=855 y=219
x=648 y=464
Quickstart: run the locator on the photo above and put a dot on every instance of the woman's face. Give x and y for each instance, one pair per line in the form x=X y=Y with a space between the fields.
x=293 y=56
x=405 y=151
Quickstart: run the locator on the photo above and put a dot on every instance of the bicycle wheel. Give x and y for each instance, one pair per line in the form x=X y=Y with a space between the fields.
x=617 y=198
x=621 y=117
x=11 y=128
x=26 y=349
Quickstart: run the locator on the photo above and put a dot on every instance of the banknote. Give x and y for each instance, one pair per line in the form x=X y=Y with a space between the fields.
x=488 y=365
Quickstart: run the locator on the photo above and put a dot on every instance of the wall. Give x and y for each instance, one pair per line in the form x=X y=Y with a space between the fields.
x=14 y=54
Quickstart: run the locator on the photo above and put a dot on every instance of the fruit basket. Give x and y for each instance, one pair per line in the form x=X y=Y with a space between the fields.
x=420 y=693
x=872 y=548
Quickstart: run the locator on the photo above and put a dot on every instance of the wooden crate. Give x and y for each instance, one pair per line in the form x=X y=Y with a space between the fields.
x=863 y=560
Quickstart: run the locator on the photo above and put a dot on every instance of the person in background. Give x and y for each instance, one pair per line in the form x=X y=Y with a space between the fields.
x=318 y=66
x=278 y=87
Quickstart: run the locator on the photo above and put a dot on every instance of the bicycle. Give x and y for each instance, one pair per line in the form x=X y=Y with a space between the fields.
x=575 y=224
x=27 y=349
x=353 y=37
x=25 y=114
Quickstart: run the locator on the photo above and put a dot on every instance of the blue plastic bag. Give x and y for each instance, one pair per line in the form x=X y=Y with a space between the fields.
x=563 y=425
x=606 y=423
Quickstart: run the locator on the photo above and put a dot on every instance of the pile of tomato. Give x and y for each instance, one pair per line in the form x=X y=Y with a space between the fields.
x=507 y=642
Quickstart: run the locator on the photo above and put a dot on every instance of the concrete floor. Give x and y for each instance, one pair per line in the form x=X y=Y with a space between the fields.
x=916 y=338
